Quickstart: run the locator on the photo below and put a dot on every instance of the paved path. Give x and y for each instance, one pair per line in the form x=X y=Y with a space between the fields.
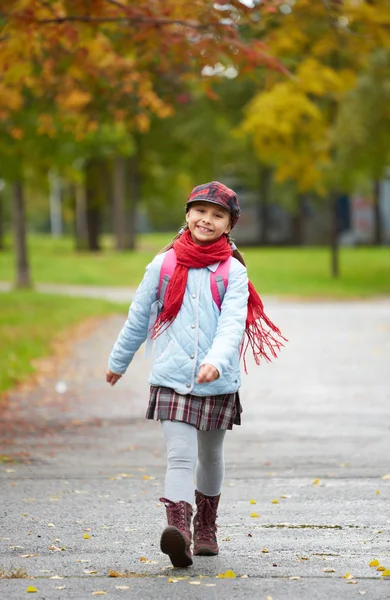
x=119 y=294
x=315 y=437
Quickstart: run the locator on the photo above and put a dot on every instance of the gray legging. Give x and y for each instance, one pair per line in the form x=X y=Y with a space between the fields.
x=188 y=448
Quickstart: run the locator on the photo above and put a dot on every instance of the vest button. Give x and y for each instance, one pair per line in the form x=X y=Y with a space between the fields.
x=192 y=356
x=193 y=326
x=194 y=295
x=188 y=385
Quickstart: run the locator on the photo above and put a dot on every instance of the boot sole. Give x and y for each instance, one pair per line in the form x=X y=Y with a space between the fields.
x=173 y=543
x=205 y=551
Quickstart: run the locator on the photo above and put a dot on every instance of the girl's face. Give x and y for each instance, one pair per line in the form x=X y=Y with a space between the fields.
x=207 y=222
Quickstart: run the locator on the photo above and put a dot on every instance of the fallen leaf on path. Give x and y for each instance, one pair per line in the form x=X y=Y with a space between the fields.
x=377 y=492
x=244 y=576
x=31 y=589
x=210 y=584
x=60 y=587
x=229 y=574
x=99 y=593
x=50 y=525
x=386 y=573
x=362 y=592
x=275 y=501
x=56 y=577
x=268 y=598
x=351 y=581
x=194 y=582
x=374 y=563
x=285 y=496
x=86 y=536
x=386 y=476
x=252 y=502
x=328 y=570
x=347 y=575
x=147 y=477
x=54 y=548
x=316 y=481
x=381 y=568
x=92 y=572
x=254 y=515
x=294 y=578
x=265 y=550
x=122 y=587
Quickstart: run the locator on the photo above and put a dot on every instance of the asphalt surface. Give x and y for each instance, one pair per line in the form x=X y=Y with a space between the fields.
x=82 y=471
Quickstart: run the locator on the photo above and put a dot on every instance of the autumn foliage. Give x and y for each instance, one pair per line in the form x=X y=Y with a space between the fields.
x=81 y=62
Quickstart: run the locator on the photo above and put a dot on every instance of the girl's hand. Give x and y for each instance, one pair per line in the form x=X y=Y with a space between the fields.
x=207 y=373
x=111 y=377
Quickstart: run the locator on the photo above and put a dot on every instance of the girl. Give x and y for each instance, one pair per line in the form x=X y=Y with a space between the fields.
x=195 y=375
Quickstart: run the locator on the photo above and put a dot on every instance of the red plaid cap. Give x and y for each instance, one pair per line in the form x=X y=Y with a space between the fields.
x=217 y=193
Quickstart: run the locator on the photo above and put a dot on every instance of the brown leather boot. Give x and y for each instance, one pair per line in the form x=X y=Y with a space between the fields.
x=176 y=538
x=205 y=527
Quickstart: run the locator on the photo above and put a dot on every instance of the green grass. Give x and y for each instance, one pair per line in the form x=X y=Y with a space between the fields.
x=30 y=322
x=303 y=272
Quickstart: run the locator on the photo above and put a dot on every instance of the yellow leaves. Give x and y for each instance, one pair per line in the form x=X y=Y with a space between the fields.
x=86 y=536
x=320 y=80
x=76 y=99
x=374 y=563
x=31 y=589
x=348 y=575
x=254 y=515
x=252 y=502
x=386 y=573
x=227 y=575
x=99 y=593
x=386 y=476
x=265 y=551
x=328 y=570
x=381 y=568
x=275 y=501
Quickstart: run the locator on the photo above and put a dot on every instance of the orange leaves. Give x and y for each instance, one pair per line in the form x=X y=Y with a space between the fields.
x=108 y=59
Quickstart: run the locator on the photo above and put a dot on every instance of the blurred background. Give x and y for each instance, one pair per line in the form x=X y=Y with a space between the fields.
x=111 y=112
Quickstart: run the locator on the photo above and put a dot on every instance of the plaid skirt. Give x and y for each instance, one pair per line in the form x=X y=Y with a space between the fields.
x=203 y=412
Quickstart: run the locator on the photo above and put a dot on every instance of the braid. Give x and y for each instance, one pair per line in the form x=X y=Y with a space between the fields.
x=236 y=253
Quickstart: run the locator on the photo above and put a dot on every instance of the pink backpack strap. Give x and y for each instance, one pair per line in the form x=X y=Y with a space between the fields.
x=219 y=281
x=167 y=268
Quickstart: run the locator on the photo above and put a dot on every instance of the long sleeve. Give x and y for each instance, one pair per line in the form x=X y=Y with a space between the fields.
x=135 y=329
x=231 y=322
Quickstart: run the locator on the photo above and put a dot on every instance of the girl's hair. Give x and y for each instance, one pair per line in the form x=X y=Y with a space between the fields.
x=236 y=253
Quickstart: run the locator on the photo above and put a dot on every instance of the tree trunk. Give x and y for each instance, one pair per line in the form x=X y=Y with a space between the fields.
x=134 y=184
x=265 y=181
x=298 y=222
x=18 y=216
x=334 y=237
x=94 y=194
x=2 y=216
x=80 y=227
x=118 y=199
x=55 y=204
x=377 y=214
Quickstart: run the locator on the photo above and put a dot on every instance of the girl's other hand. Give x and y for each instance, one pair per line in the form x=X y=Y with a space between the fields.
x=207 y=373
x=111 y=377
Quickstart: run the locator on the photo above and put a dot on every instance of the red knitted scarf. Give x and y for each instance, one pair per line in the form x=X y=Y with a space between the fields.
x=191 y=255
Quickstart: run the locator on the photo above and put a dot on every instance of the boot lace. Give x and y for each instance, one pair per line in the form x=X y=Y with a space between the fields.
x=177 y=516
x=206 y=517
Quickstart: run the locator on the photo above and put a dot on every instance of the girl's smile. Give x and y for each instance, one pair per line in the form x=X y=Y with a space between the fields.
x=207 y=222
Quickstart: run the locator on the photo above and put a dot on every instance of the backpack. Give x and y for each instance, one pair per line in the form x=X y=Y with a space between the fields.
x=218 y=279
